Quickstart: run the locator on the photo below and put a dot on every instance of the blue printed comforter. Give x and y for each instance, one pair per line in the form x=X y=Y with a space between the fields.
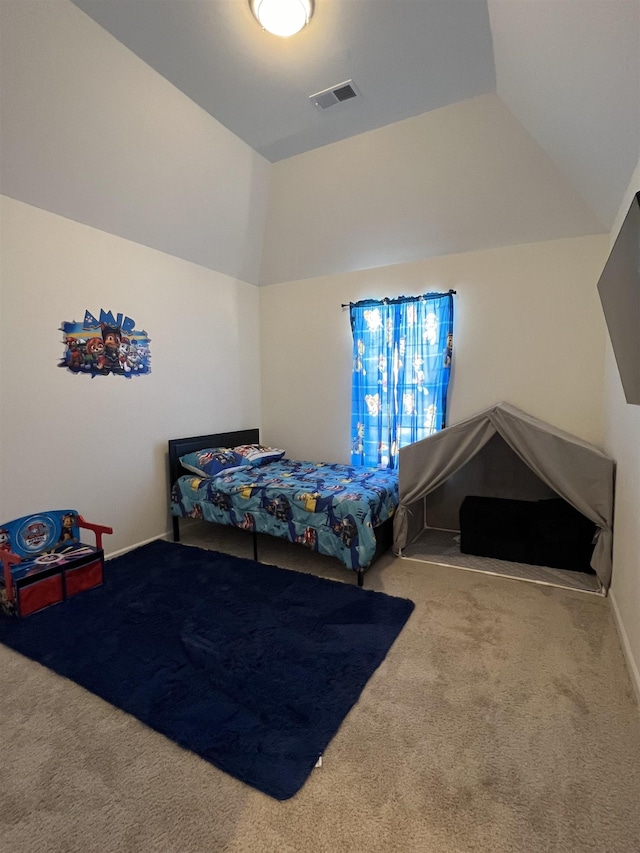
x=329 y=508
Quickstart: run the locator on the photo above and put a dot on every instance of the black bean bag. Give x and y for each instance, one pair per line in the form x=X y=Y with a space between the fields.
x=542 y=533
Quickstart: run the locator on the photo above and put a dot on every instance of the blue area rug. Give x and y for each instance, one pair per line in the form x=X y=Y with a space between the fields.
x=250 y=666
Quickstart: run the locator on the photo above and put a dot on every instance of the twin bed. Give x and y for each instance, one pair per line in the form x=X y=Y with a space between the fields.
x=338 y=510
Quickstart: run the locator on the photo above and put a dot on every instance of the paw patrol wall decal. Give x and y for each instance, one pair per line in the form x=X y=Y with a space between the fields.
x=108 y=345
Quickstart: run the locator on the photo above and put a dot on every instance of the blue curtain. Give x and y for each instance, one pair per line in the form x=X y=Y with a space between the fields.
x=402 y=351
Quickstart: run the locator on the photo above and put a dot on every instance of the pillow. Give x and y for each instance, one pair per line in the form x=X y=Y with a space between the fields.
x=258 y=454
x=213 y=461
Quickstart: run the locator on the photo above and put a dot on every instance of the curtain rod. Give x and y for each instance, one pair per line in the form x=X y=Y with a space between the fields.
x=397 y=299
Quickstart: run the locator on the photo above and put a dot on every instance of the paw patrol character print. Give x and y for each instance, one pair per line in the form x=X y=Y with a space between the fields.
x=108 y=345
x=247 y=522
x=123 y=355
x=309 y=500
x=66 y=533
x=308 y=538
x=220 y=500
x=347 y=530
x=73 y=356
x=430 y=332
x=94 y=354
x=144 y=355
x=430 y=418
x=373 y=404
x=134 y=358
x=358 y=366
x=357 y=442
x=5 y=541
x=409 y=402
x=112 y=337
x=373 y=319
x=279 y=508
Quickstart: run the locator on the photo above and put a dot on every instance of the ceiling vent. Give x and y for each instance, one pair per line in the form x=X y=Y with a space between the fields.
x=335 y=95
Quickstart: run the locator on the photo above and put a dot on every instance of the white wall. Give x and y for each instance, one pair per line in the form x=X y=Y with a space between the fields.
x=99 y=445
x=591 y=54
x=91 y=132
x=110 y=177
x=458 y=179
x=528 y=330
x=622 y=441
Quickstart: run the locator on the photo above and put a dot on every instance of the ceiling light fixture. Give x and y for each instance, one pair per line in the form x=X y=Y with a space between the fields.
x=282 y=17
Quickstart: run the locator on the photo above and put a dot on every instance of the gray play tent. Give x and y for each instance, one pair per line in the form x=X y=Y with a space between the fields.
x=504 y=452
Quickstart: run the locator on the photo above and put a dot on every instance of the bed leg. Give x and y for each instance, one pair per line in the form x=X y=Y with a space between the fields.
x=360 y=577
x=176 y=528
x=255 y=546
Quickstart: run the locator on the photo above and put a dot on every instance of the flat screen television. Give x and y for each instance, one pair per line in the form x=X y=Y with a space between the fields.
x=619 y=290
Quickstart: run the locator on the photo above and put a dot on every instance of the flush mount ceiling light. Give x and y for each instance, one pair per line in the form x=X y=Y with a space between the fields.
x=282 y=17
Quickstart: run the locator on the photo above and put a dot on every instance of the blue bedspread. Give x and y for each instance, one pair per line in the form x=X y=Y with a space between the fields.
x=329 y=508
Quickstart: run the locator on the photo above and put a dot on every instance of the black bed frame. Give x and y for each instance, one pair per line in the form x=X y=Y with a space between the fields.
x=179 y=446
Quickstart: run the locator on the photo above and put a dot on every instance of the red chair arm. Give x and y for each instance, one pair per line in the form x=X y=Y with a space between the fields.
x=98 y=529
x=9 y=559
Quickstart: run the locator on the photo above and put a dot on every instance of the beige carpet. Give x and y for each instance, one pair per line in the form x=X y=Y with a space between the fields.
x=503 y=719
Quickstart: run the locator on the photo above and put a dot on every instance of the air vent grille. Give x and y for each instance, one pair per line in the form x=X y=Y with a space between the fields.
x=335 y=95
x=344 y=92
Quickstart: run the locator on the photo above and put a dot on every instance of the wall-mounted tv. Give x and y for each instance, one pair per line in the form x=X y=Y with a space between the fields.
x=619 y=289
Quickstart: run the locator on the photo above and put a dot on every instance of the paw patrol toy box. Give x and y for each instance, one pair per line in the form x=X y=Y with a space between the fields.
x=44 y=561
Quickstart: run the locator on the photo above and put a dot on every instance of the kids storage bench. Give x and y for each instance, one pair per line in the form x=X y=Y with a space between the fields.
x=44 y=561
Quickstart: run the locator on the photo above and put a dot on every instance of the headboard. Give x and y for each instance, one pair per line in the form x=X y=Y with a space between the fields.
x=179 y=446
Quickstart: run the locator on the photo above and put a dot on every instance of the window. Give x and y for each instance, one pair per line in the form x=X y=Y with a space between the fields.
x=402 y=351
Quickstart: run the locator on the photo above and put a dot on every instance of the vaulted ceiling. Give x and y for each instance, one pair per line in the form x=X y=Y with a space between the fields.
x=569 y=71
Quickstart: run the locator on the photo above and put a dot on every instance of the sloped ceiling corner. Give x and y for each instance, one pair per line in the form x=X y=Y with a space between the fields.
x=570 y=72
